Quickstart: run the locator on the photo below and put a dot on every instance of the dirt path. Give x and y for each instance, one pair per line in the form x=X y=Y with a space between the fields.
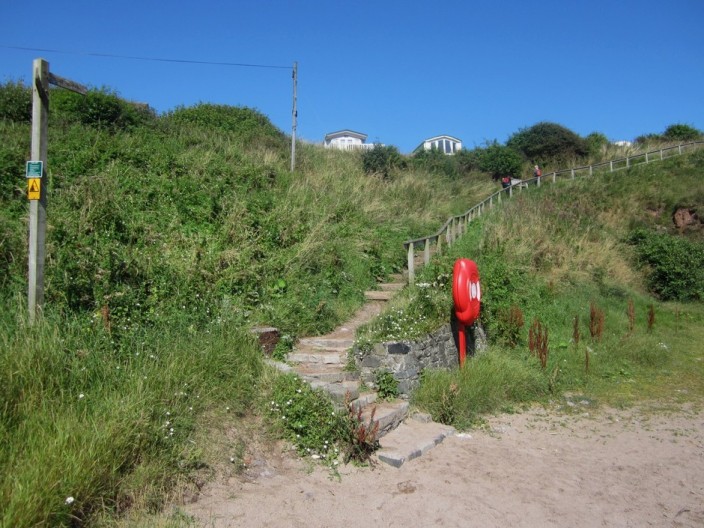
x=535 y=469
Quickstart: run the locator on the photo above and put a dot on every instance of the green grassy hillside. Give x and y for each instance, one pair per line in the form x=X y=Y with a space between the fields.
x=170 y=236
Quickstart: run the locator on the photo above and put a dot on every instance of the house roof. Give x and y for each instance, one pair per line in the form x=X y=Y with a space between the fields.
x=344 y=133
x=444 y=136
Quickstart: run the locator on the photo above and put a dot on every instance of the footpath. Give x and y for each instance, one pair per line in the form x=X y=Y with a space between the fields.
x=322 y=362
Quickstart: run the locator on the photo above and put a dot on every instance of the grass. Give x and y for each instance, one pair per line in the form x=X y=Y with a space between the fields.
x=560 y=253
x=170 y=236
x=86 y=427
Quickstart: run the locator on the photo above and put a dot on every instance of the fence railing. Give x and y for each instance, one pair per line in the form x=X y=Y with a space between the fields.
x=456 y=226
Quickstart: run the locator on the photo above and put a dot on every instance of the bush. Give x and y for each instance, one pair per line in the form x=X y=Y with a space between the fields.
x=246 y=123
x=381 y=160
x=500 y=161
x=16 y=102
x=680 y=132
x=101 y=109
x=675 y=265
x=548 y=142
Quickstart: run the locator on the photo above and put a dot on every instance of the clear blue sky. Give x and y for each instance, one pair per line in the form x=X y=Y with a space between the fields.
x=398 y=70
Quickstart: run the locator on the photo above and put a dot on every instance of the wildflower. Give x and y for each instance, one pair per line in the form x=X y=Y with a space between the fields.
x=69 y=500
x=81 y=396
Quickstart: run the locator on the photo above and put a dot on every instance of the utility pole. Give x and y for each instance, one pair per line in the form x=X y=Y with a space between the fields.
x=294 y=116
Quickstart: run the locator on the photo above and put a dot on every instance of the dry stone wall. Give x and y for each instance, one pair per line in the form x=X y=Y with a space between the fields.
x=407 y=359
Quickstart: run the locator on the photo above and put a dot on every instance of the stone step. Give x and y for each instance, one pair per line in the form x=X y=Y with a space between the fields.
x=388 y=414
x=391 y=286
x=410 y=440
x=330 y=373
x=326 y=343
x=342 y=392
x=363 y=400
x=377 y=295
x=319 y=358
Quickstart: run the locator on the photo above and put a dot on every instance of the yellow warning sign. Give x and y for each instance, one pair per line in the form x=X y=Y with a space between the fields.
x=34 y=188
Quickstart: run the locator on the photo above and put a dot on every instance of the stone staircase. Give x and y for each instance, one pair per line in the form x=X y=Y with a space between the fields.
x=323 y=362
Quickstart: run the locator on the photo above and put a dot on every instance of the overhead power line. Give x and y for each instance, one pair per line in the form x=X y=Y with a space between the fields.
x=153 y=59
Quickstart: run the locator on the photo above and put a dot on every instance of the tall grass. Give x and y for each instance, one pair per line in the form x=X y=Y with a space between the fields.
x=79 y=416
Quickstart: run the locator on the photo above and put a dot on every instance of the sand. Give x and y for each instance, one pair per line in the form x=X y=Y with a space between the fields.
x=533 y=469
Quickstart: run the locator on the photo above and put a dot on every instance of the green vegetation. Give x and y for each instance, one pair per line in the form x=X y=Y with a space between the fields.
x=564 y=256
x=548 y=142
x=170 y=236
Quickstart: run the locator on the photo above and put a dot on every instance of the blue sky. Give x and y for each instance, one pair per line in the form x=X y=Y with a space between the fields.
x=399 y=71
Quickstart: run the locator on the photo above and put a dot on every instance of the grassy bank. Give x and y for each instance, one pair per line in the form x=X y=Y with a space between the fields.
x=564 y=256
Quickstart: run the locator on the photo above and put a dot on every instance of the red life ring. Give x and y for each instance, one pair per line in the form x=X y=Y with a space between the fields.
x=466 y=291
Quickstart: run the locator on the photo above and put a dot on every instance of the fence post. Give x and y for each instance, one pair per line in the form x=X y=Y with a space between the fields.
x=679 y=148
x=510 y=191
x=572 y=173
x=611 y=165
x=426 y=252
x=411 y=271
x=628 y=162
x=554 y=177
x=646 y=158
x=591 y=170
x=660 y=154
x=538 y=181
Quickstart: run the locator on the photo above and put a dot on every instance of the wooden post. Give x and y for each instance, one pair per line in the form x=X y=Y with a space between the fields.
x=554 y=177
x=611 y=166
x=426 y=252
x=37 y=208
x=411 y=271
x=294 y=116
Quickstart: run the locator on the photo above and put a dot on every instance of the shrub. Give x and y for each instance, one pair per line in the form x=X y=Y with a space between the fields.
x=675 y=265
x=680 y=132
x=500 y=161
x=381 y=160
x=99 y=108
x=15 y=102
x=246 y=123
x=548 y=141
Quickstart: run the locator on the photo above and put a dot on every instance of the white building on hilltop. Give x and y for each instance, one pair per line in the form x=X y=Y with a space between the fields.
x=445 y=144
x=347 y=140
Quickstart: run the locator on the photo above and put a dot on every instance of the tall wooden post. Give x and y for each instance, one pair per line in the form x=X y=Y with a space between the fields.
x=37 y=208
x=294 y=116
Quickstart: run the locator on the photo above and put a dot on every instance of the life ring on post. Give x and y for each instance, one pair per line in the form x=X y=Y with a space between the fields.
x=467 y=297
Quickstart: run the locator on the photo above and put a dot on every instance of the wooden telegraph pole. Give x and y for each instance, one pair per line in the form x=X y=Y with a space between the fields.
x=37 y=204
x=36 y=178
x=294 y=116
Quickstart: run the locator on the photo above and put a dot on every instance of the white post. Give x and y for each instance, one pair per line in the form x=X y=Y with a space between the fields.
x=411 y=271
x=426 y=252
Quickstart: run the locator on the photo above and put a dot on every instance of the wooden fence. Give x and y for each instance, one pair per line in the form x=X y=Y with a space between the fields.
x=456 y=226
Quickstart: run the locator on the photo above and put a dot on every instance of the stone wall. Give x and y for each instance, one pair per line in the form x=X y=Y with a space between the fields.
x=407 y=359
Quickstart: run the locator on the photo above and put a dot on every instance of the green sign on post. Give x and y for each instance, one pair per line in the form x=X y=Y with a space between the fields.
x=35 y=169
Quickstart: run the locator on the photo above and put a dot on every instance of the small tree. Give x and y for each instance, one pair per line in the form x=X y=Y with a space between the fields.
x=500 y=161
x=548 y=141
x=680 y=132
x=381 y=160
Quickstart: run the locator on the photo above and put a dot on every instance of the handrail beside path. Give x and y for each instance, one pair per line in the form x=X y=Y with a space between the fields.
x=456 y=226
